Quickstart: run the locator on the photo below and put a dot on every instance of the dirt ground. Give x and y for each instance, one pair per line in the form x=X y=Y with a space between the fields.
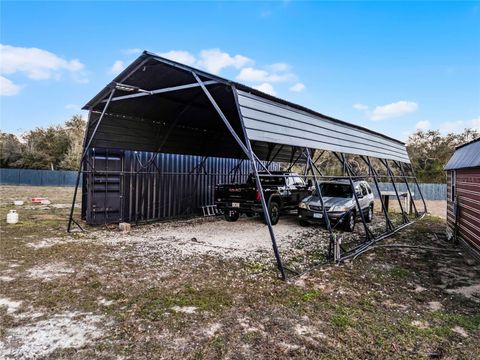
x=436 y=208
x=205 y=288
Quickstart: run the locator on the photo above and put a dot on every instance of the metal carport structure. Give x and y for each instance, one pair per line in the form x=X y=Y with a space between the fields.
x=159 y=105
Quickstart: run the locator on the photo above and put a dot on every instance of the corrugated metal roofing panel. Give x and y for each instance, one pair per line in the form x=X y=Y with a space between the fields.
x=465 y=156
x=272 y=122
x=142 y=122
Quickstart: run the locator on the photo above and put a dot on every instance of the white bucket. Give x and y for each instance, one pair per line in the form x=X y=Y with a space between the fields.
x=18 y=202
x=12 y=217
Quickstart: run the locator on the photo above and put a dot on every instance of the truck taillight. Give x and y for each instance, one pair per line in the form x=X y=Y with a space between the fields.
x=258 y=197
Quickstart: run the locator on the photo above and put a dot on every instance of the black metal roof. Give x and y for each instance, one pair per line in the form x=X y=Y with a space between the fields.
x=465 y=156
x=185 y=122
x=146 y=54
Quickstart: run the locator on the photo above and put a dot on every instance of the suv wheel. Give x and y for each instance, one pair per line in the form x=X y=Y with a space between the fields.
x=350 y=221
x=369 y=216
x=274 y=210
x=232 y=215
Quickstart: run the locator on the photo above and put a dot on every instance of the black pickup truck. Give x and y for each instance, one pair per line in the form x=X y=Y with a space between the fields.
x=283 y=191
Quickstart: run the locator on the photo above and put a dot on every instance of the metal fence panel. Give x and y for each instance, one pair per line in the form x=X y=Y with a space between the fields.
x=429 y=191
x=67 y=178
x=35 y=177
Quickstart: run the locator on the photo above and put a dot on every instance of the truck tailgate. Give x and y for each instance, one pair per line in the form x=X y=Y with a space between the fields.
x=235 y=192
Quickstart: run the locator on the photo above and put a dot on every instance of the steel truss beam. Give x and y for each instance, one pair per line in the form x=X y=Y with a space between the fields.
x=373 y=172
x=247 y=149
x=400 y=167
x=275 y=156
x=292 y=164
x=391 y=176
x=418 y=187
x=310 y=167
x=349 y=171
x=161 y=91
x=246 y=146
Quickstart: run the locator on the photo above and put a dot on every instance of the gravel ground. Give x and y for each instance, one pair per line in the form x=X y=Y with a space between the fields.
x=208 y=289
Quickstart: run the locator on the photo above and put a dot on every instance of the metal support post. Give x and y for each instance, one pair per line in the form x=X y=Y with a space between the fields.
x=322 y=204
x=418 y=187
x=86 y=147
x=389 y=224
x=249 y=152
x=392 y=179
x=296 y=160
x=261 y=164
x=267 y=216
x=368 y=234
x=400 y=167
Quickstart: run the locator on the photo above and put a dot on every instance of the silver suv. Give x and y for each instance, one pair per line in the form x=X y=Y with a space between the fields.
x=339 y=203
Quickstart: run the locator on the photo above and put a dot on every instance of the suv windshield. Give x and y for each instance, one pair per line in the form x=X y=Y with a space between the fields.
x=336 y=190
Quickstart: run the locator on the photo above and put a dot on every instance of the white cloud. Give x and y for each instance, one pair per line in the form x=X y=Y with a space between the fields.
x=36 y=64
x=360 y=107
x=132 y=51
x=8 y=88
x=214 y=60
x=459 y=125
x=279 y=67
x=298 y=87
x=392 y=110
x=117 y=67
x=180 y=56
x=250 y=74
x=422 y=125
x=266 y=88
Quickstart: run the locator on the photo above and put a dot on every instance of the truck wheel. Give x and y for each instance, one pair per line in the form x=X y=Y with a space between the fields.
x=274 y=210
x=232 y=215
x=369 y=216
x=350 y=222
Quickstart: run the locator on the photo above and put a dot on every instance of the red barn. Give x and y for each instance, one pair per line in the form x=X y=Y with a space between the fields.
x=463 y=203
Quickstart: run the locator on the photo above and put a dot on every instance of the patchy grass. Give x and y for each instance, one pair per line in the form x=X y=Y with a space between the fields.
x=157 y=304
x=399 y=273
x=343 y=316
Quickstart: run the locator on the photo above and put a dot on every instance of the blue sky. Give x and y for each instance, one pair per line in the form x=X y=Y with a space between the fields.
x=390 y=66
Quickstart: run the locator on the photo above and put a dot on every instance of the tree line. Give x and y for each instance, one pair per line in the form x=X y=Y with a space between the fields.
x=60 y=147
x=56 y=147
x=429 y=152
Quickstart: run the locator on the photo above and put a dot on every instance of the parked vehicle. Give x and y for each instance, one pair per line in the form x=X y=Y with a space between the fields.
x=283 y=191
x=339 y=203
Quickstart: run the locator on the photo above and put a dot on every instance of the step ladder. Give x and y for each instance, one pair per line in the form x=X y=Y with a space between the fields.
x=211 y=210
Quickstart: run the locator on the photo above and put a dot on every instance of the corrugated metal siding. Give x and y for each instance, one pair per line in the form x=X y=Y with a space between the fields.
x=153 y=187
x=429 y=191
x=468 y=198
x=275 y=123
